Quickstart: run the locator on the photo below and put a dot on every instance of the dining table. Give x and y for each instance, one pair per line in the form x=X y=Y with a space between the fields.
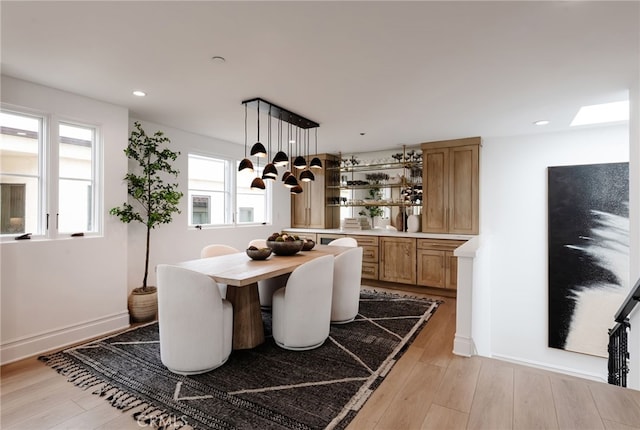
x=241 y=274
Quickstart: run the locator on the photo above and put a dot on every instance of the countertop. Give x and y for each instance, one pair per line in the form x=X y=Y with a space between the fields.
x=382 y=232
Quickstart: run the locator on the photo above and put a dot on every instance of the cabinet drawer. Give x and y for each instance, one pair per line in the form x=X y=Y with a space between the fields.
x=369 y=270
x=366 y=240
x=370 y=254
x=439 y=244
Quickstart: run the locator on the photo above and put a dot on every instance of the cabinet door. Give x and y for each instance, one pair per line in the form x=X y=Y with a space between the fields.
x=451 y=271
x=431 y=268
x=435 y=186
x=397 y=260
x=299 y=208
x=463 y=189
x=316 y=201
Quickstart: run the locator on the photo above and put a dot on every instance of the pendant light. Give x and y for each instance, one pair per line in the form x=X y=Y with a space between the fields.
x=316 y=163
x=306 y=175
x=296 y=190
x=270 y=172
x=257 y=183
x=258 y=148
x=281 y=158
x=287 y=173
x=245 y=164
x=299 y=162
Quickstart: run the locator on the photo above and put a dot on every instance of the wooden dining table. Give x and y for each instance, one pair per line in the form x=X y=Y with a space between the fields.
x=241 y=274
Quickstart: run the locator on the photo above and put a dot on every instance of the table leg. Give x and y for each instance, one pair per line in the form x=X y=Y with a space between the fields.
x=248 y=330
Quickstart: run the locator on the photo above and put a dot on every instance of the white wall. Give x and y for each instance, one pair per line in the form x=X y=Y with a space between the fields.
x=513 y=220
x=171 y=243
x=55 y=292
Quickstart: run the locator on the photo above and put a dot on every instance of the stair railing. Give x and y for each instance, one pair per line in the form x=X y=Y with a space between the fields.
x=619 y=359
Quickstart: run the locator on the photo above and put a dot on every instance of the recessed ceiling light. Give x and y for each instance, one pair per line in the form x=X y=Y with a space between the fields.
x=541 y=122
x=139 y=93
x=598 y=114
x=218 y=59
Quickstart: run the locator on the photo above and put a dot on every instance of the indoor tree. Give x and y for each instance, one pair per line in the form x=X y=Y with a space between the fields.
x=154 y=200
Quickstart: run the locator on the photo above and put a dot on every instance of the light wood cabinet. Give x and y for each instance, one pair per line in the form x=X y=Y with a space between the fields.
x=370 y=255
x=397 y=260
x=310 y=209
x=450 y=183
x=436 y=264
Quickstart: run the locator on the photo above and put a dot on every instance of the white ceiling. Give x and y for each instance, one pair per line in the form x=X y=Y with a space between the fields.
x=402 y=72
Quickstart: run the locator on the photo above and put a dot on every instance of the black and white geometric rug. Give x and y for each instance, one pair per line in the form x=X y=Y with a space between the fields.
x=263 y=388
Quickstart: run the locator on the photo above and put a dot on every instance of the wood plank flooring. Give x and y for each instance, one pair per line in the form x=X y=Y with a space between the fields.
x=429 y=388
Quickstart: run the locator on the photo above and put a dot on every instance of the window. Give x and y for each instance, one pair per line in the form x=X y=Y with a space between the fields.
x=76 y=182
x=209 y=191
x=252 y=204
x=21 y=170
x=47 y=176
x=220 y=195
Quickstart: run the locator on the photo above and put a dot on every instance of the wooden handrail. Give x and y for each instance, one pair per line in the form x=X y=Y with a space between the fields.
x=629 y=303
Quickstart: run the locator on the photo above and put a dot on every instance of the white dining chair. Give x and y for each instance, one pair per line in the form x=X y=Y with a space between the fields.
x=195 y=322
x=302 y=309
x=347 y=273
x=344 y=241
x=267 y=287
x=215 y=250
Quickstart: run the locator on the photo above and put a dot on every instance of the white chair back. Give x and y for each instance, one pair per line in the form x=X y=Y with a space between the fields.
x=258 y=243
x=302 y=310
x=347 y=274
x=195 y=322
x=344 y=241
x=217 y=249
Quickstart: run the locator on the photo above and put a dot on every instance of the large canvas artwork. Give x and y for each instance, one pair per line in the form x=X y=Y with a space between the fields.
x=588 y=253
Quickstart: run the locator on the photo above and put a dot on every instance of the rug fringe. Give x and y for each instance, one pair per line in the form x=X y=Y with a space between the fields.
x=150 y=415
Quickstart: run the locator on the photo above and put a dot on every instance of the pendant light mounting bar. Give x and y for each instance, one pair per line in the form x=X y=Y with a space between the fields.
x=281 y=113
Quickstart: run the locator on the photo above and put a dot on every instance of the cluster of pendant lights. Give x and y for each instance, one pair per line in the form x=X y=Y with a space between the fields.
x=281 y=159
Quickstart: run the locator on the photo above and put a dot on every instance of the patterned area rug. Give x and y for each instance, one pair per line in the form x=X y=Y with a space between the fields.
x=263 y=388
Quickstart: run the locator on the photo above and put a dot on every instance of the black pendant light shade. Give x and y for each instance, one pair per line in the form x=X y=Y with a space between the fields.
x=291 y=181
x=245 y=165
x=281 y=159
x=257 y=184
x=307 y=176
x=299 y=162
x=285 y=175
x=296 y=190
x=315 y=163
x=258 y=150
x=270 y=171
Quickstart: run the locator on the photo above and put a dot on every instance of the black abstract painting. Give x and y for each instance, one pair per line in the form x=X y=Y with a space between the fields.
x=588 y=253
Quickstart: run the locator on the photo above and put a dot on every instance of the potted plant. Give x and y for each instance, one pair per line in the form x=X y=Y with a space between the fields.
x=154 y=203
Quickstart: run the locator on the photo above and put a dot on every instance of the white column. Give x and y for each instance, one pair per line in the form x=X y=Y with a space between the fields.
x=463 y=342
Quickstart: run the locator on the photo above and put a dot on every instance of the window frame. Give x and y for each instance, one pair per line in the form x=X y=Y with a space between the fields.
x=231 y=210
x=49 y=174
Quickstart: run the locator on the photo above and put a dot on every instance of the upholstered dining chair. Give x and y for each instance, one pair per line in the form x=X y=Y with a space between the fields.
x=347 y=273
x=302 y=309
x=196 y=323
x=267 y=287
x=344 y=241
x=215 y=250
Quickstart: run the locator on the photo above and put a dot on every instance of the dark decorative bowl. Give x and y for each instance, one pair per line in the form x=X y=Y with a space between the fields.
x=259 y=254
x=308 y=245
x=286 y=247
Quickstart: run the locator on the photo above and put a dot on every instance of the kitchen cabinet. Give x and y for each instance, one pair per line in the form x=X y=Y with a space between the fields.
x=310 y=209
x=451 y=186
x=397 y=261
x=370 y=252
x=436 y=264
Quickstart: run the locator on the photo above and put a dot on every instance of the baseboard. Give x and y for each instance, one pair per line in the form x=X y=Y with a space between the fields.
x=463 y=346
x=556 y=369
x=43 y=342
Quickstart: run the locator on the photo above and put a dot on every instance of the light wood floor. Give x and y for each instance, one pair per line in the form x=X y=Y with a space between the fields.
x=429 y=388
